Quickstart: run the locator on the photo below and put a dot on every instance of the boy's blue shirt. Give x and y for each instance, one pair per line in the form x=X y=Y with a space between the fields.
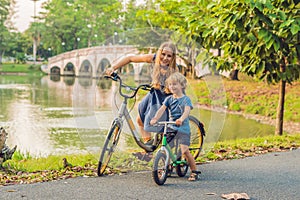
x=176 y=108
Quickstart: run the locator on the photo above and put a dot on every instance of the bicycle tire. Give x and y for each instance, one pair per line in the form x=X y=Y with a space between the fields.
x=181 y=169
x=110 y=144
x=160 y=172
x=197 y=136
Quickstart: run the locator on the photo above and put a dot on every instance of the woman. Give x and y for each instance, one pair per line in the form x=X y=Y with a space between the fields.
x=164 y=64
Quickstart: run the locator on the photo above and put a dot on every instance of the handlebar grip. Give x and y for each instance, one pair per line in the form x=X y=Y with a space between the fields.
x=147 y=87
x=114 y=76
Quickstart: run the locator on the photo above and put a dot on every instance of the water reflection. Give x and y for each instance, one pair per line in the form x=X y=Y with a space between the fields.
x=55 y=77
x=57 y=114
x=69 y=80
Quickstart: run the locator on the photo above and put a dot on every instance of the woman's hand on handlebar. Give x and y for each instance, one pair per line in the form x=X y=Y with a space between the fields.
x=109 y=71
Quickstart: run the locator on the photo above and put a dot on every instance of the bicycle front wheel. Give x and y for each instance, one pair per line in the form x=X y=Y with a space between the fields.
x=197 y=136
x=110 y=144
x=160 y=172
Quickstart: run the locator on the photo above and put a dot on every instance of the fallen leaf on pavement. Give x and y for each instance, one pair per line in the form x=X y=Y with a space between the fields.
x=236 y=196
x=211 y=193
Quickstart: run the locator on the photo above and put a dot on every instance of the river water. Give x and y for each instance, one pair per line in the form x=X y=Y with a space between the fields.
x=67 y=115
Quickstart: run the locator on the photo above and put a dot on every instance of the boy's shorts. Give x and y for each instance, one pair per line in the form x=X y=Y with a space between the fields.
x=182 y=138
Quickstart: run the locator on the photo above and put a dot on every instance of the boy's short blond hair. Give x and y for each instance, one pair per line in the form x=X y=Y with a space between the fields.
x=176 y=77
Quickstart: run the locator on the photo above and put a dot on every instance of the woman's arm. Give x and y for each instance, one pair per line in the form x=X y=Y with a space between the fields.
x=128 y=59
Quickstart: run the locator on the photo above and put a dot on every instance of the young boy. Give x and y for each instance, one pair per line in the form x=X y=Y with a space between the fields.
x=179 y=106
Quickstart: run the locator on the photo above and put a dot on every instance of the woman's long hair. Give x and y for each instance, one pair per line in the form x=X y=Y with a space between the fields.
x=156 y=69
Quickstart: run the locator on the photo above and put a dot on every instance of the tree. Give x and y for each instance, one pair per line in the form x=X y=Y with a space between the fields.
x=18 y=46
x=84 y=23
x=262 y=36
x=4 y=31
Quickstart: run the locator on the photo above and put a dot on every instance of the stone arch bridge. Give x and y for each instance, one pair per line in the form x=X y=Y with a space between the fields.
x=88 y=62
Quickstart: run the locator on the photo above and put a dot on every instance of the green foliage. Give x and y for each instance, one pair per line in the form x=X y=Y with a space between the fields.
x=235 y=106
x=252 y=97
x=85 y=23
x=4 y=31
x=260 y=36
x=18 y=156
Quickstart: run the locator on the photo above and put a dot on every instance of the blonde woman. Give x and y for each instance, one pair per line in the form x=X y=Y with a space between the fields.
x=163 y=65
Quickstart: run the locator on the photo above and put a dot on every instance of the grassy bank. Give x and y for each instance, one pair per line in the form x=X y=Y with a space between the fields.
x=30 y=69
x=24 y=169
x=250 y=97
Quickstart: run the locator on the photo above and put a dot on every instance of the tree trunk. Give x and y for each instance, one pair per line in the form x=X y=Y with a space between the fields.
x=280 y=108
x=1 y=56
x=234 y=75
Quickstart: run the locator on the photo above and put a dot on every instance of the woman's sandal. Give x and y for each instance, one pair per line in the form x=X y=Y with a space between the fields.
x=194 y=176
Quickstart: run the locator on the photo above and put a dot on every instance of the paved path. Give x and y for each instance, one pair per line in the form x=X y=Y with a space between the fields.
x=274 y=176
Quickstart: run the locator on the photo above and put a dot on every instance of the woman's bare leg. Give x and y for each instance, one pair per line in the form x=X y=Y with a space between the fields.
x=145 y=134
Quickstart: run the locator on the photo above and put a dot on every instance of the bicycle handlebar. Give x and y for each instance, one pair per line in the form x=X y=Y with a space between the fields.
x=165 y=122
x=115 y=77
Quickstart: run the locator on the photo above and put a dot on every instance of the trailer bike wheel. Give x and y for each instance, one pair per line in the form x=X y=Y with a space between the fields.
x=110 y=144
x=160 y=172
x=197 y=136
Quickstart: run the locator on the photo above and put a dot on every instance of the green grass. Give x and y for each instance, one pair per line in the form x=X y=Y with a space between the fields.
x=241 y=148
x=27 y=163
x=24 y=169
x=125 y=160
x=250 y=97
x=21 y=68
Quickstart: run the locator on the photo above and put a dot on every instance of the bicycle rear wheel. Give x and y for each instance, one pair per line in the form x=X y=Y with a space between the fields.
x=160 y=172
x=110 y=144
x=197 y=136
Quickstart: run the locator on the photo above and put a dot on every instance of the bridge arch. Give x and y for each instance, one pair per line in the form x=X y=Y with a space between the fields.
x=86 y=69
x=104 y=63
x=69 y=69
x=55 y=70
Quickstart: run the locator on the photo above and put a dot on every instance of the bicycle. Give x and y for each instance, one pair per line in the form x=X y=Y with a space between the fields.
x=165 y=160
x=113 y=136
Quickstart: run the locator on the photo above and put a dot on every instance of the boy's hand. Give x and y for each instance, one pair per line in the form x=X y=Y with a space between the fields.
x=178 y=122
x=153 y=121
